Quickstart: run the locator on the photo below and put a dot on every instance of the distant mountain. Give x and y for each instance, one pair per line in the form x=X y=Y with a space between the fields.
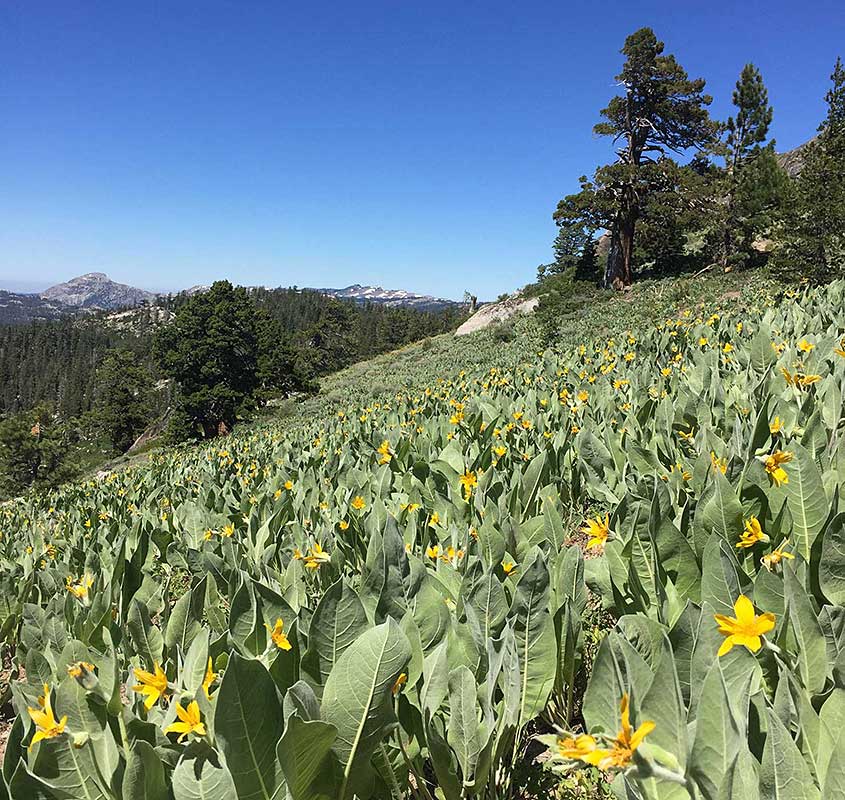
x=95 y=290
x=389 y=297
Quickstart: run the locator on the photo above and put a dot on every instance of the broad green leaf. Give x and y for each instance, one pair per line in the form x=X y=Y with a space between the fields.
x=338 y=620
x=805 y=498
x=144 y=776
x=248 y=725
x=784 y=775
x=535 y=637
x=304 y=751
x=200 y=775
x=832 y=562
x=184 y=621
x=722 y=580
x=71 y=771
x=358 y=696
x=811 y=650
x=663 y=704
x=464 y=733
x=718 y=735
x=719 y=511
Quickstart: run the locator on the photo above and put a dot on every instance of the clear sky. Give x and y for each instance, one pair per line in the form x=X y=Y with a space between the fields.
x=417 y=145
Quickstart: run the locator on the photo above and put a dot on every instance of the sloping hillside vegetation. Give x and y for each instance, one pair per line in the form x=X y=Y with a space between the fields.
x=473 y=568
x=95 y=383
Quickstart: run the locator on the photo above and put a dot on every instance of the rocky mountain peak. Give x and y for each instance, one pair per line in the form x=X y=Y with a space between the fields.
x=95 y=290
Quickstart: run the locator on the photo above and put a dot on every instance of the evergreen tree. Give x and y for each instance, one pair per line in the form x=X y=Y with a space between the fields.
x=661 y=112
x=35 y=451
x=814 y=232
x=210 y=350
x=122 y=408
x=753 y=185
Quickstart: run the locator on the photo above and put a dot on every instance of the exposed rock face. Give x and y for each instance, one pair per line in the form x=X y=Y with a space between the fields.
x=498 y=312
x=792 y=161
x=96 y=290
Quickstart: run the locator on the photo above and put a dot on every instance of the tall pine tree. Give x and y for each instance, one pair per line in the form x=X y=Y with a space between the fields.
x=814 y=234
x=661 y=111
x=753 y=183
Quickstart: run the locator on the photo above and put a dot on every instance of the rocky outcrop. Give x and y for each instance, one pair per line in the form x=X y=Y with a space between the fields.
x=96 y=290
x=792 y=161
x=498 y=312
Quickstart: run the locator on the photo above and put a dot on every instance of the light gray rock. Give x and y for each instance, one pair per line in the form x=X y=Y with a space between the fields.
x=498 y=312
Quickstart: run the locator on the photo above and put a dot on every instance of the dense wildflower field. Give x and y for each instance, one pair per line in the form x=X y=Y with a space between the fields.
x=390 y=592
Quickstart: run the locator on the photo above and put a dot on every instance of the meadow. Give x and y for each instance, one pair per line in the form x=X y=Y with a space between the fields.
x=611 y=565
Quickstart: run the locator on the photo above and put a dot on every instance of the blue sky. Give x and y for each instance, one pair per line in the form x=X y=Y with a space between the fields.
x=408 y=144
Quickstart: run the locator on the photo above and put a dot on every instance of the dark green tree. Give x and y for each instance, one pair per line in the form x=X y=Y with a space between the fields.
x=35 y=451
x=211 y=351
x=662 y=111
x=123 y=398
x=814 y=231
x=753 y=184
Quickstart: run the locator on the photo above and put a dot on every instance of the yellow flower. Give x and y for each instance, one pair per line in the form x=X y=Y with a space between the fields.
x=720 y=464
x=228 y=530
x=687 y=436
x=804 y=346
x=316 y=557
x=384 y=452
x=358 y=502
x=500 y=450
x=189 y=721
x=288 y=485
x=776 y=556
x=79 y=589
x=434 y=520
x=400 y=682
x=210 y=677
x=451 y=554
x=774 y=466
x=508 y=567
x=279 y=638
x=627 y=740
x=840 y=351
x=47 y=727
x=598 y=530
x=582 y=748
x=343 y=525
x=468 y=482
x=744 y=629
x=79 y=668
x=152 y=684
x=433 y=551
x=776 y=426
x=752 y=533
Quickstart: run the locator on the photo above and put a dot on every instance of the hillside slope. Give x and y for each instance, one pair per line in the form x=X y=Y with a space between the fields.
x=431 y=504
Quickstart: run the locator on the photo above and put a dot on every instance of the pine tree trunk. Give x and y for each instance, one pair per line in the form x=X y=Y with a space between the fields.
x=618 y=271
